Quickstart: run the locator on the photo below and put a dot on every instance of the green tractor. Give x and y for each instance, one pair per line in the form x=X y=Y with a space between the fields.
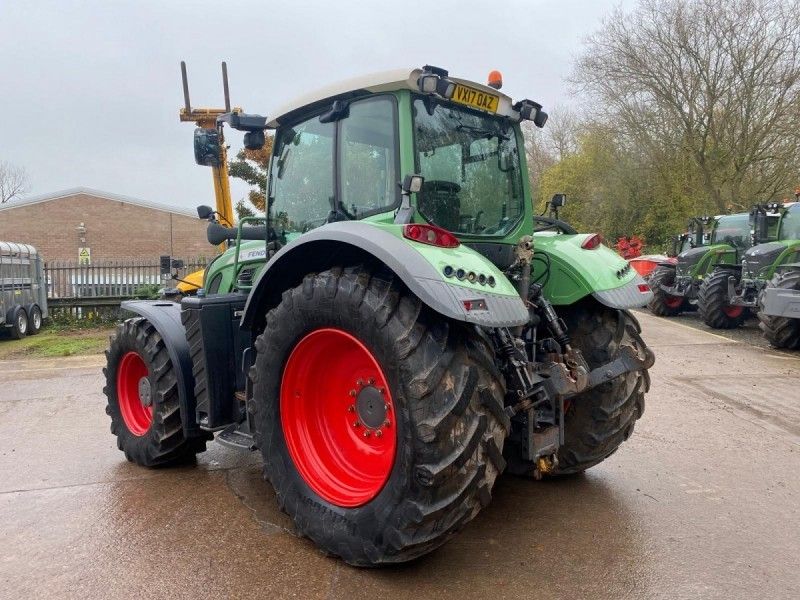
x=398 y=330
x=708 y=242
x=732 y=291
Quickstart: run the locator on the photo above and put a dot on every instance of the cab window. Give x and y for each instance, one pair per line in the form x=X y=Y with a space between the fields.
x=302 y=186
x=368 y=157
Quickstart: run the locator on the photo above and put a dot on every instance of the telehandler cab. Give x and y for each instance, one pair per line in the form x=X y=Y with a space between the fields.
x=400 y=328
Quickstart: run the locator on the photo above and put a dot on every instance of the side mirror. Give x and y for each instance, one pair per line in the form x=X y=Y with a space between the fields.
x=204 y=212
x=207 y=151
x=412 y=184
x=254 y=140
x=558 y=200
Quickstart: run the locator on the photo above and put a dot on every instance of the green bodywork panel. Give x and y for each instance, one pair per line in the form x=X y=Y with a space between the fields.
x=252 y=255
x=790 y=254
x=574 y=271
x=461 y=257
x=714 y=255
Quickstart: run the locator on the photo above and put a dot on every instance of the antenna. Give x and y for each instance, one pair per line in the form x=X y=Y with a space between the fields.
x=224 y=87
x=186 y=86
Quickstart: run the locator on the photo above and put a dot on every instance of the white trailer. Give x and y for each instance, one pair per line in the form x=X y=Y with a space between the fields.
x=23 y=289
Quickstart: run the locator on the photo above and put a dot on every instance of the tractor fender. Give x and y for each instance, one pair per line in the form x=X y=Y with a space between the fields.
x=166 y=318
x=354 y=242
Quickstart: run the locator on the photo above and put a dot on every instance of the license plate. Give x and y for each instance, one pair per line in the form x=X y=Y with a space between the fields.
x=475 y=98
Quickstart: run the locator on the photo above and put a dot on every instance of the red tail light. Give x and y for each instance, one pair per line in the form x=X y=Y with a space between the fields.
x=592 y=242
x=431 y=235
x=644 y=288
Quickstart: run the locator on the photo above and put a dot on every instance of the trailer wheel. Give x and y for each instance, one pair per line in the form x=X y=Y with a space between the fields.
x=19 y=323
x=142 y=392
x=782 y=332
x=34 y=319
x=381 y=424
x=713 y=301
x=664 y=304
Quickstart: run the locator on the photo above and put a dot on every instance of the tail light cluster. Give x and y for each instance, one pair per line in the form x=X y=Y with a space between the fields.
x=592 y=242
x=431 y=235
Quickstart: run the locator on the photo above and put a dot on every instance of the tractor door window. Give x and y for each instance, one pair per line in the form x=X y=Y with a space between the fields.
x=368 y=158
x=790 y=226
x=302 y=178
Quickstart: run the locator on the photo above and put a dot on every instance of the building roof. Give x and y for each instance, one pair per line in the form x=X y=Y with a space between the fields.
x=383 y=81
x=18 y=203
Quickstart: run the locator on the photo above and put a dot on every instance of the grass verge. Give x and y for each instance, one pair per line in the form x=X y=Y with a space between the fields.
x=49 y=344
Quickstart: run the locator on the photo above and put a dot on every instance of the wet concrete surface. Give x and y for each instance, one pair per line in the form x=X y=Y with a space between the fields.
x=702 y=501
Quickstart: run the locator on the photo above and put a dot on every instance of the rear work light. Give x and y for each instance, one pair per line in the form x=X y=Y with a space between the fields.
x=431 y=235
x=592 y=242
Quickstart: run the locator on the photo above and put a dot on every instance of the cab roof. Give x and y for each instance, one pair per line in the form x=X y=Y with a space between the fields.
x=384 y=81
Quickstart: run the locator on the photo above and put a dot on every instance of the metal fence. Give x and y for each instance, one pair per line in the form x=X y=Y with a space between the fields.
x=106 y=283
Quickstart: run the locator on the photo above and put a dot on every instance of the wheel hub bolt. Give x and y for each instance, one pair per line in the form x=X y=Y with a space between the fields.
x=145 y=396
x=360 y=383
x=366 y=433
x=387 y=423
x=371 y=381
x=379 y=433
x=352 y=392
x=351 y=408
x=356 y=424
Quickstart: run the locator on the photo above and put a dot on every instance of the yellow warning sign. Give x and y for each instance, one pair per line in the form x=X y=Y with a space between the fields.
x=84 y=256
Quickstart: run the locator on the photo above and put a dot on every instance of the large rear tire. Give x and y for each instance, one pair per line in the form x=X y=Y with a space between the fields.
x=142 y=392
x=351 y=337
x=662 y=303
x=597 y=421
x=713 y=301
x=782 y=332
x=600 y=419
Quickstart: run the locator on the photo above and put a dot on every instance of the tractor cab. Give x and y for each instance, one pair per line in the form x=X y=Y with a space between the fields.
x=340 y=156
x=776 y=237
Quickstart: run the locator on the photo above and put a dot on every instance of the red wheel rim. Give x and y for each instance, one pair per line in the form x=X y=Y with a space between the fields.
x=673 y=301
x=338 y=417
x=132 y=384
x=733 y=311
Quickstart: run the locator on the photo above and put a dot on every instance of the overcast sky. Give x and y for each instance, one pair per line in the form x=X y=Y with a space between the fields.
x=90 y=91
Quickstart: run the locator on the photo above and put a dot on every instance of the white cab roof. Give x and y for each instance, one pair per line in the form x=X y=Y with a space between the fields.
x=383 y=81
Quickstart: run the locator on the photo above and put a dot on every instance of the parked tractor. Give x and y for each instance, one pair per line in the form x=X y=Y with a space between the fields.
x=732 y=290
x=710 y=241
x=401 y=327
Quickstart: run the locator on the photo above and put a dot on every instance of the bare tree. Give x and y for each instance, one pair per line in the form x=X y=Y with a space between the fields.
x=719 y=81
x=13 y=182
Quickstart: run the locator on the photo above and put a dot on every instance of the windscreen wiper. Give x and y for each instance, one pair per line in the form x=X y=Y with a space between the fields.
x=483 y=132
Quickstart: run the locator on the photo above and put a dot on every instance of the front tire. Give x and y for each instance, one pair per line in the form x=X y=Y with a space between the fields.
x=782 y=332
x=143 y=403
x=662 y=303
x=713 y=302
x=356 y=332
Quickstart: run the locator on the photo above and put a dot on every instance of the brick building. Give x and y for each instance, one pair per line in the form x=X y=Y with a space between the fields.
x=101 y=226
